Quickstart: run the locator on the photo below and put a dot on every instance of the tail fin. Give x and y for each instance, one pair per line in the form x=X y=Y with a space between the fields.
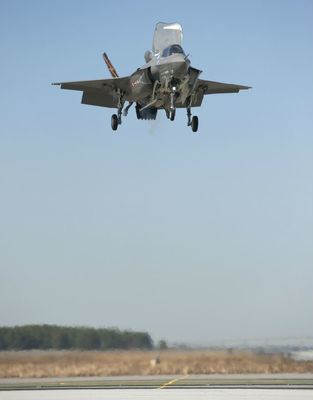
x=110 y=66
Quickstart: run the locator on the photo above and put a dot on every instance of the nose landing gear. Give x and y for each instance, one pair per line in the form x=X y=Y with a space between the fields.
x=172 y=114
x=172 y=111
x=193 y=122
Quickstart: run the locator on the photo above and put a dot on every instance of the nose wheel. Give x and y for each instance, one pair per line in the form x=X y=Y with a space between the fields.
x=172 y=114
x=193 y=122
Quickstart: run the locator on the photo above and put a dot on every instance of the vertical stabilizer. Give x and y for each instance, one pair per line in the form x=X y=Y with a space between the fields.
x=110 y=66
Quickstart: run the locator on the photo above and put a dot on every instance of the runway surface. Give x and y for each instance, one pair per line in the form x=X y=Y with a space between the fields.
x=154 y=394
x=213 y=387
x=288 y=377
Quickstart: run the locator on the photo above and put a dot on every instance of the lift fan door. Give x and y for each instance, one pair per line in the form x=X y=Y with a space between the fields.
x=165 y=35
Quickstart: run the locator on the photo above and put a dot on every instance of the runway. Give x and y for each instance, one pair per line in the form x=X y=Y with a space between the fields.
x=213 y=387
x=154 y=394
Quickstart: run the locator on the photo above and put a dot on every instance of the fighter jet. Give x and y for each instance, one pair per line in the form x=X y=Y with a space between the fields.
x=166 y=82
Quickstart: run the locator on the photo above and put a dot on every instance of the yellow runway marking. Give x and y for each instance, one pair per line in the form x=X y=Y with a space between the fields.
x=174 y=380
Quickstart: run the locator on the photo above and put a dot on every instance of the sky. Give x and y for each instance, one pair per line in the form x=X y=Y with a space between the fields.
x=192 y=237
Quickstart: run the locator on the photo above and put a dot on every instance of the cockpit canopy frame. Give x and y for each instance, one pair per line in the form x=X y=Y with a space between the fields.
x=173 y=49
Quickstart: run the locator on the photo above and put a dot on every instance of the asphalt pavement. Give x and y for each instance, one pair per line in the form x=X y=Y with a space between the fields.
x=157 y=394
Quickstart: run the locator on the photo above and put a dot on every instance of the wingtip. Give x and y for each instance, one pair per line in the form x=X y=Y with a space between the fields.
x=245 y=88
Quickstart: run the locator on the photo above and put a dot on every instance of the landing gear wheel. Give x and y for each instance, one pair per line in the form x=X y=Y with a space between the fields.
x=194 y=123
x=114 y=122
x=172 y=115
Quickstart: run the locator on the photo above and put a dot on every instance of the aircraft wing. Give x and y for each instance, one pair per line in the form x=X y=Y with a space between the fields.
x=210 y=87
x=100 y=84
x=100 y=92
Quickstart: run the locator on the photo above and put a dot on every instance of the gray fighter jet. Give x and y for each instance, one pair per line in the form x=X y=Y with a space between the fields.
x=167 y=81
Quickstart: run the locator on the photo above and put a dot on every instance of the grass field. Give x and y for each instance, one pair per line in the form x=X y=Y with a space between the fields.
x=35 y=364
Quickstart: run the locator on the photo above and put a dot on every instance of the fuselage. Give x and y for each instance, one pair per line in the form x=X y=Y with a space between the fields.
x=164 y=73
x=169 y=67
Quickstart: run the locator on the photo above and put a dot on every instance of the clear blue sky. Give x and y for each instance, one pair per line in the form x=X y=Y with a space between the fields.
x=191 y=237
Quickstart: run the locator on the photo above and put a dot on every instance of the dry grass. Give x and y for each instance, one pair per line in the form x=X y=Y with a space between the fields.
x=95 y=363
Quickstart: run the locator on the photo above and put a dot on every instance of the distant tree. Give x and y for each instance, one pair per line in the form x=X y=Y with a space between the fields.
x=162 y=345
x=4 y=338
x=59 y=337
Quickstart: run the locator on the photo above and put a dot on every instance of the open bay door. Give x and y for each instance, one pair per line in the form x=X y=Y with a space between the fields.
x=166 y=35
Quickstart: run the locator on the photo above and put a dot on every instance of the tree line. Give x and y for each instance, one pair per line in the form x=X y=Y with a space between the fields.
x=46 y=337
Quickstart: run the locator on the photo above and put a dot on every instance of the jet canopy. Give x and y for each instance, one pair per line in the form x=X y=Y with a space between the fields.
x=166 y=35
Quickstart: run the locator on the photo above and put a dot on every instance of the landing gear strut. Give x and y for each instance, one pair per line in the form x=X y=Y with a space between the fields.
x=116 y=119
x=172 y=111
x=125 y=112
x=193 y=122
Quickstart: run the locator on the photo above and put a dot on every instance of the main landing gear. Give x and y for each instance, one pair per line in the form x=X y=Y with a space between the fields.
x=193 y=122
x=116 y=119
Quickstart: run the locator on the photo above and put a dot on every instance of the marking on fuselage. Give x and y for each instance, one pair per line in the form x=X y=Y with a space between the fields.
x=139 y=80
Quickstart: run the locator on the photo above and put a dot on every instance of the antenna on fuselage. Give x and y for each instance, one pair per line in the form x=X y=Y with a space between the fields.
x=109 y=65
